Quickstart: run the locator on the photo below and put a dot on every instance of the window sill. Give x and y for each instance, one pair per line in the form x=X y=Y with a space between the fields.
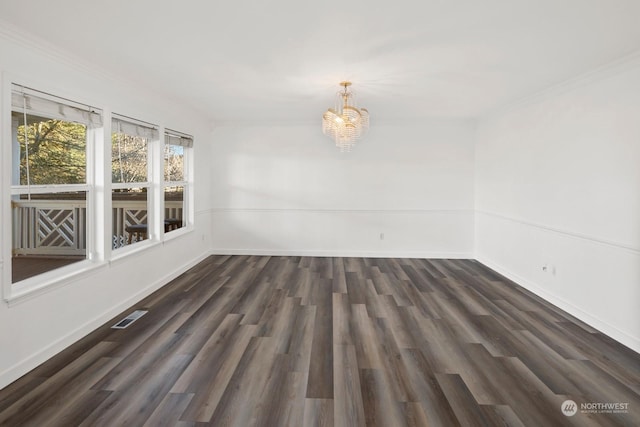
x=177 y=233
x=55 y=279
x=123 y=254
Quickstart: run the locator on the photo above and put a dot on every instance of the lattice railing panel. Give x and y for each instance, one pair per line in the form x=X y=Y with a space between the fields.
x=132 y=217
x=42 y=227
x=49 y=227
x=57 y=227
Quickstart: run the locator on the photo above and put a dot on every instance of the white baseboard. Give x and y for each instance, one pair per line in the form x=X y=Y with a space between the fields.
x=344 y=254
x=602 y=326
x=16 y=371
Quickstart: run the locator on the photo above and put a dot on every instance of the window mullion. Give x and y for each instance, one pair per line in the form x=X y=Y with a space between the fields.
x=99 y=164
x=8 y=170
x=156 y=174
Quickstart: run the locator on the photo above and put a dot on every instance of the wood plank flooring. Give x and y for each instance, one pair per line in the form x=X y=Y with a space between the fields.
x=302 y=341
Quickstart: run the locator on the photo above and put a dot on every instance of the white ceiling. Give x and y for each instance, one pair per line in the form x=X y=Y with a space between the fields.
x=282 y=59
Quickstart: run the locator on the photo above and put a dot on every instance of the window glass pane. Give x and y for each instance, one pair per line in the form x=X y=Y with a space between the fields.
x=129 y=216
x=48 y=151
x=173 y=163
x=173 y=208
x=128 y=158
x=49 y=232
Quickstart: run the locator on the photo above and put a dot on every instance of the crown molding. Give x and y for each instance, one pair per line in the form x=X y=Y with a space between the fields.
x=43 y=47
x=15 y=34
x=615 y=67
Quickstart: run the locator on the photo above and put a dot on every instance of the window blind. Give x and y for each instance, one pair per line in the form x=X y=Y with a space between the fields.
x=176 y=138
x=36 y=103
x=126 y=125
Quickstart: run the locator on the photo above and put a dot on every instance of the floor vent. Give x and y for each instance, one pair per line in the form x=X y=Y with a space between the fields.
x=129 y=319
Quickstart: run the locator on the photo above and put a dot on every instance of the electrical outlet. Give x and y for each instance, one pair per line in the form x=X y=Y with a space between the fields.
x=381 y=236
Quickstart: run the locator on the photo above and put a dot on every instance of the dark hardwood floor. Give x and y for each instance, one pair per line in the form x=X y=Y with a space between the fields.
x=290 y=341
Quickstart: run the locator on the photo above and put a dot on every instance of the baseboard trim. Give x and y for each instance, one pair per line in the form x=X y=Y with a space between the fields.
x=343 y=254
x=602 y=326
x=18 y=370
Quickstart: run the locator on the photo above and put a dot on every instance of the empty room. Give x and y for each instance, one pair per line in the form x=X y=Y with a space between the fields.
x=416 y=213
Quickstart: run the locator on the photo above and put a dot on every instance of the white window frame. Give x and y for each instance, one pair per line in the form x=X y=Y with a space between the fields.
x=172 y=137
x=152 y=139
x=99 y=190
x=12 y=292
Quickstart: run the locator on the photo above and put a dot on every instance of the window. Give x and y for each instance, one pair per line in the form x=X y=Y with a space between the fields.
x=176 y=184
x=61 y=217
x=51 y=137
x=130 y=172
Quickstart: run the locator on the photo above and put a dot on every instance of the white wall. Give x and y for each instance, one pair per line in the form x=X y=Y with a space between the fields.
x=558 y=184
x=286 y=189
x=34 y=329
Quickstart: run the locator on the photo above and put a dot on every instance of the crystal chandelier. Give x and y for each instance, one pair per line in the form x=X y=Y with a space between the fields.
x=346 y=123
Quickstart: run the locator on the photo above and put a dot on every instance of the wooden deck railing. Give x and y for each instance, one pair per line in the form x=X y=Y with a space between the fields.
x=58 y=227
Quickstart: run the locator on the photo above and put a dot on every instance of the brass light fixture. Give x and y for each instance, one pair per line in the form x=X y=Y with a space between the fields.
x=345 y=123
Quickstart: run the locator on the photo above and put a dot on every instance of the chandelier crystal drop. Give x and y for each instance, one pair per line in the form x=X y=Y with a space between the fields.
x=345 y=123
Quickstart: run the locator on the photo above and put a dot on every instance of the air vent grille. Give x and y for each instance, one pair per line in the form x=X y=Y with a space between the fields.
x=129 y=319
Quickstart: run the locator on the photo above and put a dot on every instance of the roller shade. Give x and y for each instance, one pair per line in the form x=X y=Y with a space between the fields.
x=177 y=138
x=132 y=127
x=35 y=103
